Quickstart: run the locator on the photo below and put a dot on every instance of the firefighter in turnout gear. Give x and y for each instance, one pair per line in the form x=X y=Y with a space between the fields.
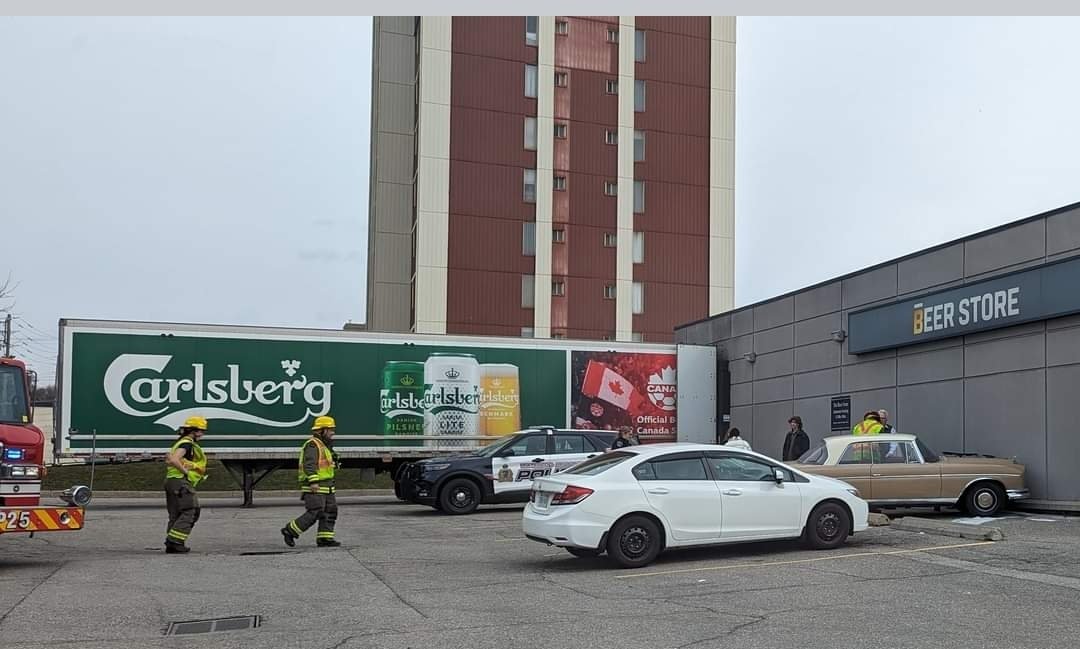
x=316 y=474
x=186 y=469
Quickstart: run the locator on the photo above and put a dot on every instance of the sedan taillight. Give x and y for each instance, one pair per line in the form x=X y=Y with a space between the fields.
x=571 y=495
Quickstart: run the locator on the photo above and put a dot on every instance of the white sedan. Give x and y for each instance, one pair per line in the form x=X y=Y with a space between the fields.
x=635 y=502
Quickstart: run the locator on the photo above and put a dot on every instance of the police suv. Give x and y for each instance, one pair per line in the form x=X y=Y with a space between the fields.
x=502 y=472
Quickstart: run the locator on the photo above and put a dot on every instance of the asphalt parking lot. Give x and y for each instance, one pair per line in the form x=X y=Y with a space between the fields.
x=408 y=577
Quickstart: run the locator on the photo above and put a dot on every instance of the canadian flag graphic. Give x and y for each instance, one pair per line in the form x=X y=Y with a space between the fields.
x=603 y=383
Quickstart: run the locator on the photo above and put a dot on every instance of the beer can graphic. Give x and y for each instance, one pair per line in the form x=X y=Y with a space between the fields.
x=401 y=402
x=451 y=399
x=500 y=399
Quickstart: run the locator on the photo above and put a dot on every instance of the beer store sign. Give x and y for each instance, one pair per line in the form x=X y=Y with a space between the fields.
x=1025 y=296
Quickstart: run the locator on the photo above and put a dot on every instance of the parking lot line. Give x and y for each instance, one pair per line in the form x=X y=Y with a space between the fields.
x=832 y=557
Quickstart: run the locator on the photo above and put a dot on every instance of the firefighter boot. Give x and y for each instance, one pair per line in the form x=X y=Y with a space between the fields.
x=289 y=537
x=328 y=543
x=176 y=548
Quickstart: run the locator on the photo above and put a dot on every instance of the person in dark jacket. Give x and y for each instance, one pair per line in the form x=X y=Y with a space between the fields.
x=797 y=441
x=622 y=441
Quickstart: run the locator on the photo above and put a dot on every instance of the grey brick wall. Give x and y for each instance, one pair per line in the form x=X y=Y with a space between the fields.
x=1009 y=392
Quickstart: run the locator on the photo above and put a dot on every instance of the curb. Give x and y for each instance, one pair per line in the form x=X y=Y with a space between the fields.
x=228 y=494
x=929 y=526
x=876 y=519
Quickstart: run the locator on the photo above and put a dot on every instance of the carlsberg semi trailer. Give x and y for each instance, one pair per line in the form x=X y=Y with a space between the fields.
x=125 y=387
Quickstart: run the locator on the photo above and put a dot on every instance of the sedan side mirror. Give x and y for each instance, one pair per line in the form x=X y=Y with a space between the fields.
x=779 y=475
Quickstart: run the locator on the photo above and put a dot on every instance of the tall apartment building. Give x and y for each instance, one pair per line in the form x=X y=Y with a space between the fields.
x=551 y=176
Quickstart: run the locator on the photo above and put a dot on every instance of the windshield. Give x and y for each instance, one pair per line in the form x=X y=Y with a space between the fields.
x=816 y=455
x=491 y=449
x=12 y=395
x=600 y=463
x=928 y=454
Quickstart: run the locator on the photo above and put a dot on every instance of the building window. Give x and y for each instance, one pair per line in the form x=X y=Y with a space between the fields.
x=610 y=240
x=637 y=337
x=639 y=146
x=530 y=133
x=639 y=96
x=611 y=86
x=613 y=34
x=638 y=298
x=611 y=188
x=528 y=238
x=528 y=191
x=611 y=137
x=530 y=80
x=562 y=27
x=609 y=291
x=558 y=288
x=562 y=79
x=558 y=235
x=528 y=292
x=639 y=197
x=531 y=23
x=639 y=45
x=558 y=335
x=560 y=131
x=559 y=183
x=528 y=332
x=639 y=247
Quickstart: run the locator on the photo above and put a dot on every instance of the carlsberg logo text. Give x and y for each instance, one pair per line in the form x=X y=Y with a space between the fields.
x=220 y=398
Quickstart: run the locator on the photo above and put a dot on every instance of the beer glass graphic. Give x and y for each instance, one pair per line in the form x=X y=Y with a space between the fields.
x=500 y=399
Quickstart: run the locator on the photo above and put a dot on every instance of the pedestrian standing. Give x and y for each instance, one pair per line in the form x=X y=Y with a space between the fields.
x=886 y=429
x=316 y=475
x=797 y=441
x=186 y=464
x=622 y=441
x=735 y=440
x=870 y=425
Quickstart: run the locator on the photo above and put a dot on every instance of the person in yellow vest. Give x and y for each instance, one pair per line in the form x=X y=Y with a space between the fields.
x=186 y=464
x=870 y=425
x=316 y=473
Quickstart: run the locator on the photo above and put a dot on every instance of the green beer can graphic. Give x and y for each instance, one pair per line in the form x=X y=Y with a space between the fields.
x=401 y=402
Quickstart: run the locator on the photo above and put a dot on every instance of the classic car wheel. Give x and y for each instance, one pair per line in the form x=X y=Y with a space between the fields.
x=827 y=526
x=984 y=499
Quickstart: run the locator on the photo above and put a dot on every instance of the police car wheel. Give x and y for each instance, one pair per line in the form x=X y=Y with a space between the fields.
x=459 y=496
x=583 y=553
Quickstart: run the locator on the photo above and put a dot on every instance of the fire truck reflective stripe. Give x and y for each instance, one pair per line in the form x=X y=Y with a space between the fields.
x=44 y=519
x=75 y=519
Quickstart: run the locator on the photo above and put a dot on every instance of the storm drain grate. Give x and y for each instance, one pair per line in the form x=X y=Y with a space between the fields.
x=213 y=626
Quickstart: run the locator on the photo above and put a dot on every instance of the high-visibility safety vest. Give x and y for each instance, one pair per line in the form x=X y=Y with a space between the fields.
x=867 y=427
x=324 y=471
x=196 y=466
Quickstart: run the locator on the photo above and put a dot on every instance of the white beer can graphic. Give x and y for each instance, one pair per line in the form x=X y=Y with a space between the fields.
x=451 y=399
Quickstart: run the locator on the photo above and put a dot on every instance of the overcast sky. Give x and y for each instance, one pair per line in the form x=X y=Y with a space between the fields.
x=216 y=169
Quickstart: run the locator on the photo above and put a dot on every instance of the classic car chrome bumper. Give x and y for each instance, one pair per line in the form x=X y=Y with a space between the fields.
x=1018 y=494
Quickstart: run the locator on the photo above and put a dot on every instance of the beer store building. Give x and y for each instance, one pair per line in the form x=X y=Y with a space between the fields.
x=974 y=345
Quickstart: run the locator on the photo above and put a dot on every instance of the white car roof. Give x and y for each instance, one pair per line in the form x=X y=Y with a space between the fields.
x=651 y=450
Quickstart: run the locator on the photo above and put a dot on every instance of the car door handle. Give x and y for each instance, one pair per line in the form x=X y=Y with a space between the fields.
x=875 y=475
x=732 y=492
x=660 y=491
x=539 y=459
x=591 y=456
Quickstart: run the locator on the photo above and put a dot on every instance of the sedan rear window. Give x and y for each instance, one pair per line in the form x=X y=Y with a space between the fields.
x=816 y=455
x=599 y=464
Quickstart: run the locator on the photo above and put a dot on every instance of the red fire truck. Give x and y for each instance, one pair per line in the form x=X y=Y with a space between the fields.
x=22 y=461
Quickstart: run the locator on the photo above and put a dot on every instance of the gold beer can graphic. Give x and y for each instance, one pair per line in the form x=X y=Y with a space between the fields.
x=500 y=399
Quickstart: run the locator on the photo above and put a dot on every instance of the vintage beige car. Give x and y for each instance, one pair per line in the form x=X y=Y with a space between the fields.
x=899 y=470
